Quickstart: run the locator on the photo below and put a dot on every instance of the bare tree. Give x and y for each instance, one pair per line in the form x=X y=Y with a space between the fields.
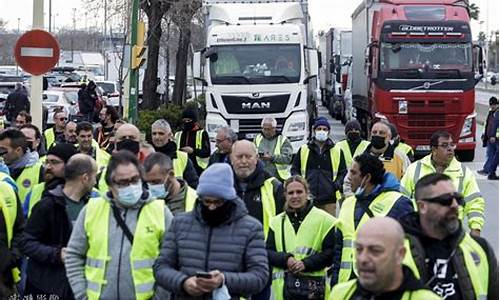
x=183 y=14
x=155 y=10
x=3 y=25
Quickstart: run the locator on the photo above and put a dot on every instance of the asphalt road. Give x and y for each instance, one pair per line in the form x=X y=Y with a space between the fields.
x=489 y=189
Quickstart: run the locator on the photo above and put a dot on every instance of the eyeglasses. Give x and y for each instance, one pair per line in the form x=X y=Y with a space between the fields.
x=127 y=182
x=53 y=162
x=452 y=146
x=447 y=199
x=216 y=202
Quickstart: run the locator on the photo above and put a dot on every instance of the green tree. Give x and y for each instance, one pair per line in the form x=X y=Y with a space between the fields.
x=474 y=11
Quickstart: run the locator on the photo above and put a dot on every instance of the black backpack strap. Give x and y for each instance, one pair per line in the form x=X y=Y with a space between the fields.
x=122 y=224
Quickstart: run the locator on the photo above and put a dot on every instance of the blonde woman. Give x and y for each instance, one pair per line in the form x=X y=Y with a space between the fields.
x=300 y=245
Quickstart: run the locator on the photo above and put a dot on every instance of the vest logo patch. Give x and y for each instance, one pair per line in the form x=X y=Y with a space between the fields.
x=476 y=258
x=149 y=229
x=26 y=183
x=378 y=208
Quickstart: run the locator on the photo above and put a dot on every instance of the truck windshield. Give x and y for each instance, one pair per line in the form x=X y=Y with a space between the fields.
x=402 y=58
x=255 y=64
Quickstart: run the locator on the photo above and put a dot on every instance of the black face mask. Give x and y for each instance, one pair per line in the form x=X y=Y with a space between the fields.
x=169 y=149
x=130 y=145
x=188 y=125
x=378 y=142
x=217 y=216
x=353 y=136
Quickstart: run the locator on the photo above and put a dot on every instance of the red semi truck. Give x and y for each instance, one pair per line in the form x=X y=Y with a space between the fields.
x=415 y=65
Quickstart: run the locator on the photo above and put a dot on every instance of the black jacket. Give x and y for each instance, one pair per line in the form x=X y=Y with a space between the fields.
x=47 y=231
x=249 y=192
x=189 y=175
x=16 y=102
x=419 y=242
x=10 y=258
x=312 y=263
x=86 y=101
x=218 y=157
x=319 y=172
x=410 y=283
x=188 y=138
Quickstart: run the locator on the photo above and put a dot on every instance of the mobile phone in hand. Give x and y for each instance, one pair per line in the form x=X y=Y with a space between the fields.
x=201 y=274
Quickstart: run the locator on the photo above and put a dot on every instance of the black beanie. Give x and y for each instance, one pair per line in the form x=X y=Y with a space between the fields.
x=352 y=125
x=63 y=150
x=190 y=113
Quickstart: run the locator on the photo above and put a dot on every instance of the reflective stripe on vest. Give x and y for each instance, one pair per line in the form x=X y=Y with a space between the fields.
x=202 y=162
x=50 y=137
x=346 y=150
x=405 y=148
x=28 y=178
x=190 y=198
x=180 y=163
x=8 y=209
x=145 y=249
x=35 y=196
x=343 y=291
x=334 y=158
x=102 y=158
x=301 y=244
x=283 y=169
x=476 y=264
x=380 y=206
x=268 y=203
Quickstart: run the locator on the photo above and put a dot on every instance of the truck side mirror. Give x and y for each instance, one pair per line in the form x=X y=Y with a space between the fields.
x=479 y=63
x=197 y=67
x=320 y=60
x=332 y=66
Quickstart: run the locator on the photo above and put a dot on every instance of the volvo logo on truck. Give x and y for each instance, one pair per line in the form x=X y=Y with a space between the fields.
x=255 y=105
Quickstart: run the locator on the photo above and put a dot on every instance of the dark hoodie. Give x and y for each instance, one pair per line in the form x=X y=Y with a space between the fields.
x=48 y=231
x=312 y=263
x=410 y=284
x=402 y=207
x=249 y=191
x=429 y=254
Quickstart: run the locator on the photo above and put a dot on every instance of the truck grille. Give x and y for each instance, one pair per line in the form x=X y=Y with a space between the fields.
x=249 y=127
x=426 y=121
x=246 y=105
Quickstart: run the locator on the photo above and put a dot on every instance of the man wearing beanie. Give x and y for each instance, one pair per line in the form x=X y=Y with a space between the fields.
x=193 y=140
x=219 y=230
x=49 y=228
x=353 y=145
x=322 y=165
x=490 y=141
x=399 y=145
x=57 y=157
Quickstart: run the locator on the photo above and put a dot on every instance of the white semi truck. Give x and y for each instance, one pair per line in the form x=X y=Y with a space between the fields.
x=259 y=61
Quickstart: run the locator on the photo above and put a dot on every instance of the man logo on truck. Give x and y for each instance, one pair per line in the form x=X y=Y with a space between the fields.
x=255 y=105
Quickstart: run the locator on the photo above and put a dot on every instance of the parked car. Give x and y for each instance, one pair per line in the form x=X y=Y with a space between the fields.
x=58 y=98
x=111 y=91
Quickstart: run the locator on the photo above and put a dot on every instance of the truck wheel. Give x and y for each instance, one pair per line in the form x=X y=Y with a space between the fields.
x=465 y=155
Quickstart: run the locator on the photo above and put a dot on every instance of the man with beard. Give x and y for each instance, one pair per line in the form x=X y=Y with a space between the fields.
x=57 y=156
x=69 y=134
x=452 y=262
x=442 y=160
x=49 y=228
x=85 y=145
x=108 y=117
x=379 y=259
x=51 y=135
x=261 y=193
x=161 y=135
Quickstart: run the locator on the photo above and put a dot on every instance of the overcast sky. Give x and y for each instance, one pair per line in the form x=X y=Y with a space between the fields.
x=324 y=13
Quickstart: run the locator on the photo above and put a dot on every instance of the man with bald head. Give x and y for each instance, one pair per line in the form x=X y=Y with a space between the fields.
x=394 y=160
x=453 y=263
x=379 y=262
x=262 y=193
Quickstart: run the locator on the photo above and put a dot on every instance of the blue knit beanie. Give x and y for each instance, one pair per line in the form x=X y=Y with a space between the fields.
x=321 y=121
x=217 y=181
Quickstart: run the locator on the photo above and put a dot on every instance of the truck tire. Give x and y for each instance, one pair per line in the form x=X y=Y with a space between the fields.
x=466 y=155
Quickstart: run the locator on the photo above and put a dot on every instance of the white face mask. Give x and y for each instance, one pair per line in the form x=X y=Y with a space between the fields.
x=129 y=196
x=361 y=189
x=321 y=135
x=158 y=191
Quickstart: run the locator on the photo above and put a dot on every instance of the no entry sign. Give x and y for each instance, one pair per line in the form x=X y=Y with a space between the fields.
x=36 y=52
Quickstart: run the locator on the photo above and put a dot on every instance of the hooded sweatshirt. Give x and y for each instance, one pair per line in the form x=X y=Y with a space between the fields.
x=120 y=283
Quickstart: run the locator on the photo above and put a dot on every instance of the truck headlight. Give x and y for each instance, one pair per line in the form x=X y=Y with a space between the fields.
x=469 y=122
x=297 y=126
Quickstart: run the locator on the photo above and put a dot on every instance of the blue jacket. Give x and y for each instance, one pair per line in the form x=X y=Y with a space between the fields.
x=402 y=207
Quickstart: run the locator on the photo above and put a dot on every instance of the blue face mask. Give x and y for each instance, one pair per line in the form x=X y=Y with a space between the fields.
x=158 y=191
x=361 y=189
x=129 y=196
x=321 y=135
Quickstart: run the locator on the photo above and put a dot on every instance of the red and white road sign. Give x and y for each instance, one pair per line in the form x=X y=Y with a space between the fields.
x=36 y=52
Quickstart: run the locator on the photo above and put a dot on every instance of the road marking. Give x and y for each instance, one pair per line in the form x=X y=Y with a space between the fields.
x=37 y=52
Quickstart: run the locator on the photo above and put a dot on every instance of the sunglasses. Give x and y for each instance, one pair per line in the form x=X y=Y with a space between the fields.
x=447 y=199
